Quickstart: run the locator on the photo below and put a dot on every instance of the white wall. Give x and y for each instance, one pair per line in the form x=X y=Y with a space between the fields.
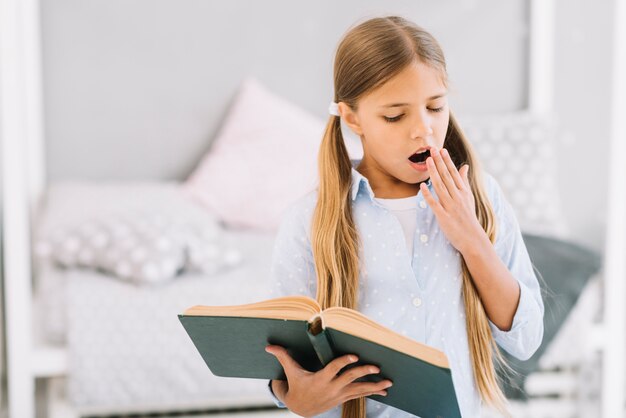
x=3 y=382
x=583 y=77
x=147 y=81
x=137 y=89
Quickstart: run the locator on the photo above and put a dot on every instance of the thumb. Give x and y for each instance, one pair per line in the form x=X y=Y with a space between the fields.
x=289 y=364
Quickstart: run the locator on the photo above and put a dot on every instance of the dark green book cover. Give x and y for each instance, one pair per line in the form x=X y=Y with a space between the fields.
x=234 y=346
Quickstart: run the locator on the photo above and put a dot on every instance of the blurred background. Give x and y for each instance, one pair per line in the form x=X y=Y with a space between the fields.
x=149 y=149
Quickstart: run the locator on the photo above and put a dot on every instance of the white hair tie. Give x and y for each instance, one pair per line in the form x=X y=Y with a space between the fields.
x=333 y=109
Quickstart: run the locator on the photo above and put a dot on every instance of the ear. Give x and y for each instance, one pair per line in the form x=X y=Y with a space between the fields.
x=350 y=118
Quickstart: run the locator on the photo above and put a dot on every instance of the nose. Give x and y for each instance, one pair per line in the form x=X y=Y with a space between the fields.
x=422 y=127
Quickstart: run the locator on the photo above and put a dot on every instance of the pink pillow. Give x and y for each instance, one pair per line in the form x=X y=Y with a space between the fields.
x=263 y=159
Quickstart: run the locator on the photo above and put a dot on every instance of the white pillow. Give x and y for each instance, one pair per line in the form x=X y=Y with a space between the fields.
x=263 y=159
x=519 y=150
x=139 y=247
x=142 y=232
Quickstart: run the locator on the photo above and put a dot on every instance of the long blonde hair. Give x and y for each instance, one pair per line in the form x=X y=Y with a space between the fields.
x=370 y=54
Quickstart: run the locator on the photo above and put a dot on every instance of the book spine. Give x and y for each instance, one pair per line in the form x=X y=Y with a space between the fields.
x=323 y=348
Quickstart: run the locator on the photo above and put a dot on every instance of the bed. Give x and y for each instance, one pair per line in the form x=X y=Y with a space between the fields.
x=126 y=351
x=125 y=346
x=108 y=346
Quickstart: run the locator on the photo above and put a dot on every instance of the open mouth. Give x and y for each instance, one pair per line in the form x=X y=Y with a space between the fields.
x=420 y=157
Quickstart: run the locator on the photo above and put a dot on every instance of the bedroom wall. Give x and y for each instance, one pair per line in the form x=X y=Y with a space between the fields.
x=3 y=387
x=583 y=100
x=136 y=90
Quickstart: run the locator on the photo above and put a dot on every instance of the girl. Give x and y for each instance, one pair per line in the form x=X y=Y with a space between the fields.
x=428 y=250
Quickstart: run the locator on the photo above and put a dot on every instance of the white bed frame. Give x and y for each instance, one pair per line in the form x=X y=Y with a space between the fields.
x=23 y=176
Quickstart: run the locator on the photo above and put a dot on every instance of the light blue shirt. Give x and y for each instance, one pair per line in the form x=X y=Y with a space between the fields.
x=418 y=295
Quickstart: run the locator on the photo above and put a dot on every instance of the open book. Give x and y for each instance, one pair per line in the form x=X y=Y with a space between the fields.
x=232 y=341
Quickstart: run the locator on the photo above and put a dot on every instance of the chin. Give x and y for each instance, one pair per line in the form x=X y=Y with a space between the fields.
x=416 y=178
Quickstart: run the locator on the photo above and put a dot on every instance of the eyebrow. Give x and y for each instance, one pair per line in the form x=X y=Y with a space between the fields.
x=406 y=104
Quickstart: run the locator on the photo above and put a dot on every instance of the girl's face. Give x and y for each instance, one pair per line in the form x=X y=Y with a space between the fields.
x=407 y=114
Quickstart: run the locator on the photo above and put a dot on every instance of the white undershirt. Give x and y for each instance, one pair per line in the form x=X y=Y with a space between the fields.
x=405 y=209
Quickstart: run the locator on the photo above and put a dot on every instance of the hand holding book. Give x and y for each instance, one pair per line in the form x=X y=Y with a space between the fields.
x=310 y=393
x=311 y=346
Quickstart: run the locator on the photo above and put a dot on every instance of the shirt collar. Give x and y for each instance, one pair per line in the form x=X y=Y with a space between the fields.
x=358 y=178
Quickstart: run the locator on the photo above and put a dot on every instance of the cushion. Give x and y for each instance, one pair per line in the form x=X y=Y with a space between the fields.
x=565 y=268
x=263 y=158
x=519 y=150
x=140 y=247
x=139 y=232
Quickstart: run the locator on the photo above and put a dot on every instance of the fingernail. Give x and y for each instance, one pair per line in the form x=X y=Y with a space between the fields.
x=353 y=358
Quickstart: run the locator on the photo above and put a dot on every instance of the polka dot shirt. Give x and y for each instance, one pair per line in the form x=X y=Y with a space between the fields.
x=414 y=290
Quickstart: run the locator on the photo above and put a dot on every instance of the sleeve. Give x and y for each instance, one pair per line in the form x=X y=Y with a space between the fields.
x=292 y=269
x=276 y=401
x=526 y=333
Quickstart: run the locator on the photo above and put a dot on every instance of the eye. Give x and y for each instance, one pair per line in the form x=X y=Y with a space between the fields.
x=437 y=109
x=393 y=119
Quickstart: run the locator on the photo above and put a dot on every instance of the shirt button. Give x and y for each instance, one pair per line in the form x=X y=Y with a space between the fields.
x=423 y=204
x=423 y=237
x=417 y=302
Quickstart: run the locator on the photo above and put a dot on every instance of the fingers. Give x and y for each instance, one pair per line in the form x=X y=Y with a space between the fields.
x=447 y=180
x=290 y=366
x=361 y=395
x=339 y=363
x=354 y=373
x=465 y=174
x=443 y=172
x=279 y=387
x=430 y=199
x=438 y=183
x=454 y=174
x=356 y=390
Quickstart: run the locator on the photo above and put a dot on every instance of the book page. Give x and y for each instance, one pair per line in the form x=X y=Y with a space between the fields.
x=296 y=307
x=355 y=323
